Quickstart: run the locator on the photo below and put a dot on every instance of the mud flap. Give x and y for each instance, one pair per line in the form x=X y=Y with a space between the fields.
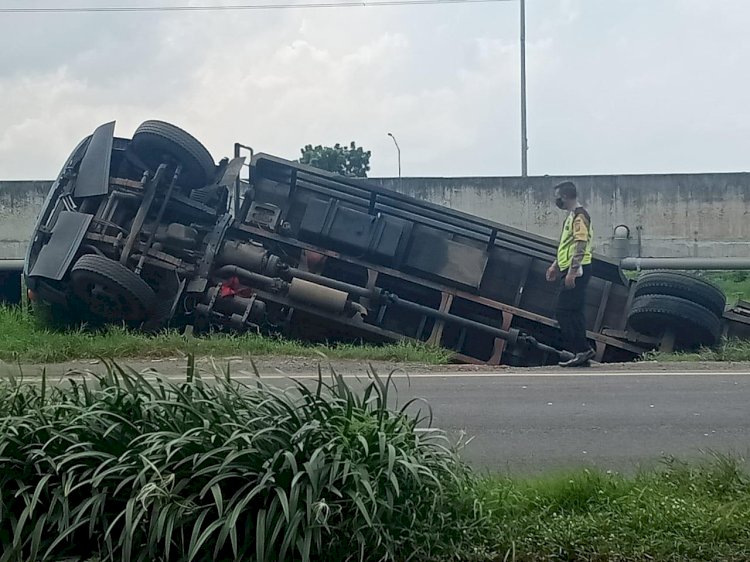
x=93 y=175
x=56 y=256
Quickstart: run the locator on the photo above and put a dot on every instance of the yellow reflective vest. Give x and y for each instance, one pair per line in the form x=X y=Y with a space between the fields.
x=577 y=228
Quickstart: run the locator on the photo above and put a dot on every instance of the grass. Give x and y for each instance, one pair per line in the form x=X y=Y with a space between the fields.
x=23 y=339
x=734 y=284
x=124 y=467
x=679 y=513
x=727 y=350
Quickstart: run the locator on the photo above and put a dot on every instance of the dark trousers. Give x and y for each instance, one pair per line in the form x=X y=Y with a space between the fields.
x=570 y=306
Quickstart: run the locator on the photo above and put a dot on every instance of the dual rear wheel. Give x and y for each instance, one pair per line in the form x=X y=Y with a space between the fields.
x=680 y=305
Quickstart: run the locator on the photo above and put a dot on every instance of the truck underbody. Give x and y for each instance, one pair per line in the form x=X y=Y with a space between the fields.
x=150 y=232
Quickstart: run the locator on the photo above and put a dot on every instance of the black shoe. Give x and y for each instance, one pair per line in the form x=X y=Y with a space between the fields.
x=580 y=359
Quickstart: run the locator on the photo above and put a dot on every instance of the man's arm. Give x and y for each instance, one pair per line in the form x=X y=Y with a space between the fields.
x=581 y=237
x=580 y=251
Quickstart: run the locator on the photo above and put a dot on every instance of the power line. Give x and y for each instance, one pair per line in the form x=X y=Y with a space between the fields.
x=239 y=7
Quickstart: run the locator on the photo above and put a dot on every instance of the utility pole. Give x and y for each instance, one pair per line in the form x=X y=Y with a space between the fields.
x=524 y=138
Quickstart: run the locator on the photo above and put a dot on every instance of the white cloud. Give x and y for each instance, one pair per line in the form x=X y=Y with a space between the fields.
x=616 y=86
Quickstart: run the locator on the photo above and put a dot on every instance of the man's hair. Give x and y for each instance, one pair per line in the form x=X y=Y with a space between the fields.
x=567 y=189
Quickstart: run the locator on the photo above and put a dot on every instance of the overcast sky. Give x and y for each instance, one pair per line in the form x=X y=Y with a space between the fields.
x=615 y=86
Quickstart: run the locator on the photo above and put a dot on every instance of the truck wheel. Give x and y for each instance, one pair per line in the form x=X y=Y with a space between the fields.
x=683 y=285
x=154 y=140
x=693 y=325
x=110 y=290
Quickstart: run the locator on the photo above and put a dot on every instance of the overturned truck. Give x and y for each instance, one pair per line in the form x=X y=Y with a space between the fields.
x=151 y=232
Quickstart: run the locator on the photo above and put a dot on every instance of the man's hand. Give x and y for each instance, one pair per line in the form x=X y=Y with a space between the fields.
x=553 y=272
x=570 y=280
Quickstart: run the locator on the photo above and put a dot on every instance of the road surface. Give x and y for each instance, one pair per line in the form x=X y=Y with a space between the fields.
x=539 y=420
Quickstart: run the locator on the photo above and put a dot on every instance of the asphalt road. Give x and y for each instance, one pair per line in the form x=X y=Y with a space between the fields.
x=614 y=418
x=616 y=422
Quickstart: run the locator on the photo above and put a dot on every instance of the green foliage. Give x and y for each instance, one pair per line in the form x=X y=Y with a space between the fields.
x=137 y=468
x=351 y=161
x=23 y=338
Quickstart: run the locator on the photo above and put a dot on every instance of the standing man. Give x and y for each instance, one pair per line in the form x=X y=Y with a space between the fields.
x=573 y=265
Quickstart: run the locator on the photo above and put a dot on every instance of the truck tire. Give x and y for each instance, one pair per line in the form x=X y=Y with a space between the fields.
x=155 y=139
x=110 y=291
x=683 y=285
x=693 y=325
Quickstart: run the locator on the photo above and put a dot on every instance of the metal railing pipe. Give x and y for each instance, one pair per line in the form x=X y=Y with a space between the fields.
x=636 y=264
x=11 y=265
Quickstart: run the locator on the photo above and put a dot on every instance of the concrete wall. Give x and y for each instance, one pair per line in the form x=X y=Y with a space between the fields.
x=687 y=215
x=704 y=215
x=20 y=203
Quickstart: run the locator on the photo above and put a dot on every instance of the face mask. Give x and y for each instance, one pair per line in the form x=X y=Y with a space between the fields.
x=560 y=203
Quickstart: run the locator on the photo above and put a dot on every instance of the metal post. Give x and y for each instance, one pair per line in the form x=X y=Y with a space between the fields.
x=524 y=138
x=24 y=295
x=236 y=190
x=398 y=149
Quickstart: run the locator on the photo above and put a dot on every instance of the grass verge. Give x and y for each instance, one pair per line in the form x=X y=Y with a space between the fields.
x=734 y=284
x=22 y=339
x=128 y=468
x=679 y=513
x=726 y=351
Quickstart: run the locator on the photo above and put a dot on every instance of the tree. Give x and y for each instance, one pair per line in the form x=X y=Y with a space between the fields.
x=351 y=161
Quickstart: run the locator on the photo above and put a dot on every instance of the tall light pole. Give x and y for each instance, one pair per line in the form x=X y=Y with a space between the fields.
x=398 y=148
x=524 y=138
